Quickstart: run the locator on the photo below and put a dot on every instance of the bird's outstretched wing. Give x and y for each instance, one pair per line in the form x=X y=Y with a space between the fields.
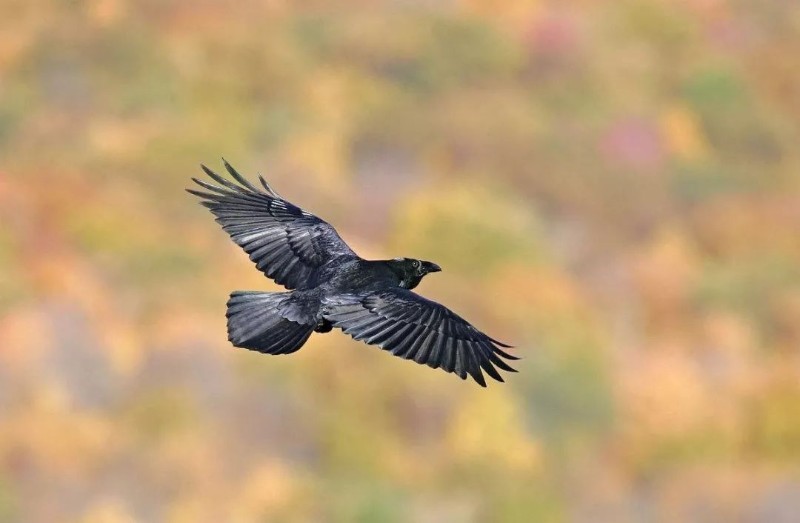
x=286 y=243
x=415 y=328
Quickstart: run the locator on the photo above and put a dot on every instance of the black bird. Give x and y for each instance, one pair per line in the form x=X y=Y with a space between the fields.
x=329 y=286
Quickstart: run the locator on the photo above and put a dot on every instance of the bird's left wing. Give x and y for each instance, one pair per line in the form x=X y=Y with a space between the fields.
x=415 y=328
x=286 y=243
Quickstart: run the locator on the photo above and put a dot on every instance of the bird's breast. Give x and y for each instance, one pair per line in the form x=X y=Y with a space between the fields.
x=359 y=277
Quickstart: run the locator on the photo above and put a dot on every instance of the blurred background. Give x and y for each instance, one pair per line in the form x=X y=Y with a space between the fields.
x=613 y=187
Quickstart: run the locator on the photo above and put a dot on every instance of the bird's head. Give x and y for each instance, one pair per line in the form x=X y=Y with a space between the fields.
x=411 y=271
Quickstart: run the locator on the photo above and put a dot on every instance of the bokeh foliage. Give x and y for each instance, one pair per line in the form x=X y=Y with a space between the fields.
x=611 y=186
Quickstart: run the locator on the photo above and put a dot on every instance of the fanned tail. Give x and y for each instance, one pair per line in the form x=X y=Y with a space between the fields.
x=261 y=321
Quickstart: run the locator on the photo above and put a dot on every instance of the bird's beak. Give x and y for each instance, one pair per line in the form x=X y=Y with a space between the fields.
x=432 y=267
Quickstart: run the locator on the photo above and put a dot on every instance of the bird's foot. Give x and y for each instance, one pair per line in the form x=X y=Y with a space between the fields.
x=323 y=326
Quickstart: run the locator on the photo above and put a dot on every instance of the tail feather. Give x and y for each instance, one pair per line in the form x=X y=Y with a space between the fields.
x=260 y=321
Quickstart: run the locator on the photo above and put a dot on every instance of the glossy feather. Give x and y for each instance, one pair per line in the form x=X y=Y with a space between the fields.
x=330 y=286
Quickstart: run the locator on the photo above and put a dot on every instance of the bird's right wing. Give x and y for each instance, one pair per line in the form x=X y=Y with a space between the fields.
x=413 y=327
x=286 y=243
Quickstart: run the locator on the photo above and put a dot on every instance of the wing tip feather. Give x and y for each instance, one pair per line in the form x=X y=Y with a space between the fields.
x=238 y=177
x=502 y=344
x=507 y=355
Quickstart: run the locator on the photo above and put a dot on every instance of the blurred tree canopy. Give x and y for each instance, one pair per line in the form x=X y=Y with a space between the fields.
x=614 y=187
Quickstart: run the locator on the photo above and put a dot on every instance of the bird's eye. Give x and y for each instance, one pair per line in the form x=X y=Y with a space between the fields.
x=417 y=264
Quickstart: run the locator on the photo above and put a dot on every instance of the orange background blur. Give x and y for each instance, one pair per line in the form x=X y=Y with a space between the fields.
x=614 y=187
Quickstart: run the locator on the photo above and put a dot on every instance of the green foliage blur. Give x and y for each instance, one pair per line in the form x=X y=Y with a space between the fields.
x=613 y=187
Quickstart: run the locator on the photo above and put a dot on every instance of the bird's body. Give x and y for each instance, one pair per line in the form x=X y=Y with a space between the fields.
x=330 y=286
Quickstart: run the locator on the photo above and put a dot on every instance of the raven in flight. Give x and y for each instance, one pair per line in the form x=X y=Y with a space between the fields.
x=329 y=286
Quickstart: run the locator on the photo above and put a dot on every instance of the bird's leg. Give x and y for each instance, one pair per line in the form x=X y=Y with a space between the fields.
x=323 y=326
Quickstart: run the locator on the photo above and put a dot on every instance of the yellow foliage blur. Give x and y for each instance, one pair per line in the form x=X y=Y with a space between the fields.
x=612 y=187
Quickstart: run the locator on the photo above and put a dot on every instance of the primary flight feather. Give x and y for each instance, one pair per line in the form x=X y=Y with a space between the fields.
x=329 y=286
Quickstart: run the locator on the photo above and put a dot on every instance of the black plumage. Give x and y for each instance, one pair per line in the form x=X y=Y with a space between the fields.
x=330 y=286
